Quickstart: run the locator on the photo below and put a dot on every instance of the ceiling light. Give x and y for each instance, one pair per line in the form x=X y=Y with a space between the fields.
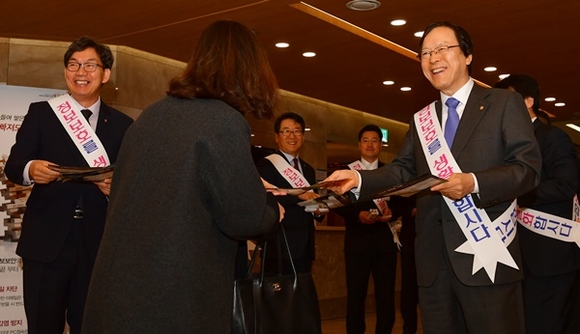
x=573 y=126
x=559 y=104
x=282 y=45
x=388 y=82
x=363 y=5
x=550 y=99
x=406 y=89
x=503 y=76
x=309 y=54
x=418 y=34
x=398 y=23
x=490 y=69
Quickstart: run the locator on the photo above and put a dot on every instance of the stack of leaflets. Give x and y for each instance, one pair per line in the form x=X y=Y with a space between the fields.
x=333 y=200
x=92 y=174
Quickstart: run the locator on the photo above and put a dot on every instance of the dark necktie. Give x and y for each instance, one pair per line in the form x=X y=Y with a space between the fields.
x=452 y=120
x=295 y=164
x=87 y=113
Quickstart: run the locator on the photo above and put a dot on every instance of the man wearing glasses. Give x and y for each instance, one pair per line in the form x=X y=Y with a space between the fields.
x=64 y=221
x=481 y=140
x=285 y=169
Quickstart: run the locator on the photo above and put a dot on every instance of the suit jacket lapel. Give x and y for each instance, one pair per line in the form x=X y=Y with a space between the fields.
x=103 y=122
x=476 y=106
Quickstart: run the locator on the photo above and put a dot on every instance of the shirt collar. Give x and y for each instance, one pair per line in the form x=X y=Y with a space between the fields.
x=288 y=157
x=462 y=95
x=93 y=108
x=369 y=165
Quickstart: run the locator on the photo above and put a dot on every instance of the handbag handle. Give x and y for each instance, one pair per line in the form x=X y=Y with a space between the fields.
x=287 y=247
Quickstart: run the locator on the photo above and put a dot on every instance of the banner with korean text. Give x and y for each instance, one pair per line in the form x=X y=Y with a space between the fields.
x=14 y=102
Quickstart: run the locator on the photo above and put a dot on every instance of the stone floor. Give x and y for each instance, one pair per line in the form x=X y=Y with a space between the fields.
x=337 y=326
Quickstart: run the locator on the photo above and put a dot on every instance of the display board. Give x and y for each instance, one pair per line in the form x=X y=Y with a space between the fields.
x=14 y=102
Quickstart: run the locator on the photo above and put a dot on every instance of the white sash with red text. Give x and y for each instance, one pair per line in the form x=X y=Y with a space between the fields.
x=552 y=226
x=381 y=203
x=290 y=174
x=79 y=130
x=487 y=240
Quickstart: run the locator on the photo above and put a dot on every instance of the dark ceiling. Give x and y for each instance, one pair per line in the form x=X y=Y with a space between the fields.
x=516 y=36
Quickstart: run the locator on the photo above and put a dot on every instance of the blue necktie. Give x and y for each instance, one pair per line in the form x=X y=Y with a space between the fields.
x=452 y=120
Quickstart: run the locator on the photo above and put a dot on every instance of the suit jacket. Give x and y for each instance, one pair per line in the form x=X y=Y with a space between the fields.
x=358 y=236
x=50 y=207
x=544 y=256
x=495 y=141
x=298 y=224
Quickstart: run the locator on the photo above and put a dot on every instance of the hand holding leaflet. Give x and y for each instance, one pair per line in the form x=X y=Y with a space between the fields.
x=300 y=191
x=410 y=188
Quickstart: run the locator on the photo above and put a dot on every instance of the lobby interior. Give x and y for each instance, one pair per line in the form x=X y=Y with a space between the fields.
x=337 y=92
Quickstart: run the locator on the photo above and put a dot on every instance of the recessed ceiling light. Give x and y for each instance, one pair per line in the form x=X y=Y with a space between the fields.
x=363 y=5
x=388 y=82
x=309 y=54
x=398 y=23
x=406 y=89
x=282 y=45
x=559 y=104
x=418 y=34
x=550 y=99
x=503 y=76
x=490 y=69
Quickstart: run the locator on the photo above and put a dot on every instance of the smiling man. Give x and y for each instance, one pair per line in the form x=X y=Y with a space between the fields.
x=64 y=221
x=285 y=169
x=369 y=246
x=481 y=140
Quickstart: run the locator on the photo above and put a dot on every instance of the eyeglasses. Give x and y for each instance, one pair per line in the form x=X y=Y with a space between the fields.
x=89 y=67
x=287 y=132
x=440 y=50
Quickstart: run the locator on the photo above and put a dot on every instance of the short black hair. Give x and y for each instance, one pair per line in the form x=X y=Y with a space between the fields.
x=461 y=34
x=525 y=85
x=85 y=42
x=289 y=115
x=370 y=127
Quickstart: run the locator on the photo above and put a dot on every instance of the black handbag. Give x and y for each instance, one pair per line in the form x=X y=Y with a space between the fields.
x=276 y=304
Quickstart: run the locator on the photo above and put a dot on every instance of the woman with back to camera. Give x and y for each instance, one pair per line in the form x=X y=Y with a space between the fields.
x=185 y=192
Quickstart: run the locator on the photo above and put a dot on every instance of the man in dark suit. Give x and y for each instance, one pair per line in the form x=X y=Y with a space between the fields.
x=550 y=265
x=369 y=247
x=298 y=224
x=492 y=159
x=64 y=221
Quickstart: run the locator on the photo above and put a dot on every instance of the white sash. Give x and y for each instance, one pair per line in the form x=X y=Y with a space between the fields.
x=486 y=240
x=293 y=176
x=381 y=204
x=80 y=131
x=552 y=226
x=576 y=209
